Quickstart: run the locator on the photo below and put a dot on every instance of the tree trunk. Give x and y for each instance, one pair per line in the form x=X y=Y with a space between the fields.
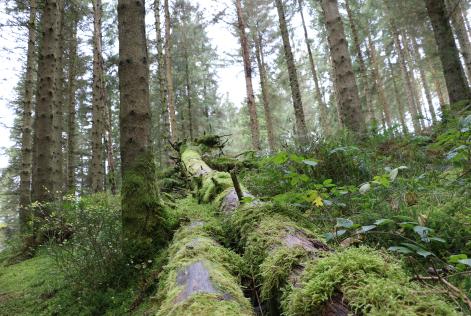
x=361 y=63
x=456 y=84
x=301 y=129
x=44 y=133
x=58 y=117
x=406 y=78
x=27 y=123
x=457 y=21
x=172 y=117
x=262 y=71
x=400 y=106
x=71 y=124
x=188 y=90
x=97 y=177
x=254 y=127
x=348 y=98
x=323 y=118
x=379 y=83
x=423 y=78
x=143 y=229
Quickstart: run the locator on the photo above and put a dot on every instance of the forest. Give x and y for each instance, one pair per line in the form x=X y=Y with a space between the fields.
x=235 y=157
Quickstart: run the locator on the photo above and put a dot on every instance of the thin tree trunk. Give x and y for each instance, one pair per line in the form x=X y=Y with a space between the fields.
x=143 y=229
x=438 y=88
x=71 y=124
x=457 y=21
x=27 y=123
x=262 y=71
x=379 y=83
x=361 y=63
x=423 y=78
x=406 y=78
x=400 y=105
x=169 y=76
x=97 y=177
x=254 y=126
x=188 y=88
x=323 y=118
x=348 y=98
x=44 y=133
x=456 y=84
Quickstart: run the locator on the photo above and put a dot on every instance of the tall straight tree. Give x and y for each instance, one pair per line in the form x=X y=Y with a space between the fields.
x=455 y=79
x=254 y=127
x=46 y=94
x=97 y=177
x=27 y=121
x=301 y=129
x=458 y=23
x=71 y=102
x=318 y=94
x=347 y=98
x=172 y=116
x=142 y=224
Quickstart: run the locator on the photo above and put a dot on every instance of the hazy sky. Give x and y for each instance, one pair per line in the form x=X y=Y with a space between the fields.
x=231 y=79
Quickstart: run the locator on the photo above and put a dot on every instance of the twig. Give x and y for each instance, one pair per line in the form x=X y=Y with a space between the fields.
x=453 y=289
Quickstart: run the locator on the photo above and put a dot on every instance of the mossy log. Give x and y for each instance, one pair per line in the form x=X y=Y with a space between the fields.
x=295 y=271
x=202 y=276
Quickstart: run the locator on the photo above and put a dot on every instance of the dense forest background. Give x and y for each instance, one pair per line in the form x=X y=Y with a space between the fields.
x=339 y=183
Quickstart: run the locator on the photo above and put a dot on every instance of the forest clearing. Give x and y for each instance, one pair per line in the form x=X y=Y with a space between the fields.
x=235 y=157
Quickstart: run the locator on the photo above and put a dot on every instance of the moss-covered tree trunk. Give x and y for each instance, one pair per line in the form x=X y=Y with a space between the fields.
x=143 y=223
x=295 y=272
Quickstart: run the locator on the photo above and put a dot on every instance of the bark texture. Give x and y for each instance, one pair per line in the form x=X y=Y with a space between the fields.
x=97 y=176
x=455 y=79
x=254 y=126
x=301 y=129
x=348 y=98
x=143 y=227
x=27 y=122
x=44 y=133
x=459 y=26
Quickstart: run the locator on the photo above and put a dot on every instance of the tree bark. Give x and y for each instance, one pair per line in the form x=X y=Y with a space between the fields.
x=400 y=105
x=361 y=63
x=348 y=98
x=254 y=126
x=27 y=123
x=97 y=176
x=301 y=129
x=143 y=228
x=457 y=21
x=169 y=76
x=71 y=100
x=262 y=71
x=323 y=117
x=456 y=84
x=44 y=133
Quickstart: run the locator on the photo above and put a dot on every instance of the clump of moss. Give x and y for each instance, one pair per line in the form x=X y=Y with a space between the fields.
x=372 y=284
x=195 y=243
x=228 y=163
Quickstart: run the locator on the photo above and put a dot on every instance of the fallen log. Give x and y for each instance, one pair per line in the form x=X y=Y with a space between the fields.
x=202 y=276
x=296 y=272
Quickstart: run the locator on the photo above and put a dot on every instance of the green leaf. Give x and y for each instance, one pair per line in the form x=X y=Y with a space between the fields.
x=343 y=222
x=424 y=253
x=409 y=225
x=247 y=199
x=383 y=221
x=311 y=163
x=457 y=258
x=422 y=231
x=465 y=261
x=338 y=233
x=400 y=249
x=367 y=228
x=438 y=239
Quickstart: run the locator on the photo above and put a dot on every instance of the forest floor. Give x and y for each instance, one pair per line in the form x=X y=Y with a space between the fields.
x=407 y=197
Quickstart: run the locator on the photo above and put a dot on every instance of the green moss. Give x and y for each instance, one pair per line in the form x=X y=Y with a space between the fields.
x=145 y=222
x=372 y=284
x=196 y=242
